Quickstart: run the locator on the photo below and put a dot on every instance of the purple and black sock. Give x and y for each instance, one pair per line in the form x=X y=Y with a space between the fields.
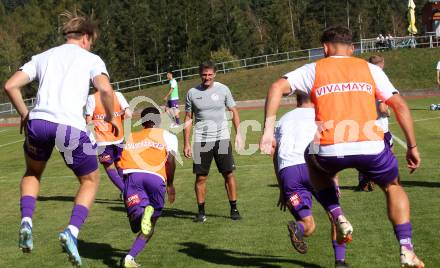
x=115 y=178
x=403 y=234
x=299 y=231
x=138 y=245
x=177 y=121
x=79 y=216
x=339 y=250
x=330 y=201
x=27 y=206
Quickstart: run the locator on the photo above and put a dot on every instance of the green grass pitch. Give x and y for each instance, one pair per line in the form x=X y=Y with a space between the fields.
x=259 y=240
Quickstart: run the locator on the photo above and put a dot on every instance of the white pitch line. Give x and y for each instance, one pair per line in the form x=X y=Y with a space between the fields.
x=6 y=144
x=399 y=141
x=419 y=120
x=3 y=130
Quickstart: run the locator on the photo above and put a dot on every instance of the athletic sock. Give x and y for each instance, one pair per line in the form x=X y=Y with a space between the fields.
x=178 y=121
x=233 y=204
x=138 y=245
x=115 y=178
x=336 y=212
x=339 y=250
x=27 y=207
x=26 y=219
x=403 y=235
x=201 y=207
x=299 y=231
x=73 y=230
x=77 y=219
x=330 y=201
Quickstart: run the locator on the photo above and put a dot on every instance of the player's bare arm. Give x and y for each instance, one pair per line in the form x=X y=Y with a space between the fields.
x=13 y=89
x=383 y=109
x=236 y=122
x=403 y=116
x=273 y=99
x=170 y=167
x=187 y=150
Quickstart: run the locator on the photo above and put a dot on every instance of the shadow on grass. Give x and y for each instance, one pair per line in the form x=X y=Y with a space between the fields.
x=71 y=198
x=183 y=214
x=353 y=188
x=174 y=213
x=275 y=185
x=428 y=184
x=235 y=258
x=109 y=256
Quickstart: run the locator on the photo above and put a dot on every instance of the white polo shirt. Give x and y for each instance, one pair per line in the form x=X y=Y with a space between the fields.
x=64 y=74
x=293 y=134
x=303 y=78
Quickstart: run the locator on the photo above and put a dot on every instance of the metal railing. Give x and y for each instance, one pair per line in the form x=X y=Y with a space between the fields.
x=366 y=45
x=373 y=44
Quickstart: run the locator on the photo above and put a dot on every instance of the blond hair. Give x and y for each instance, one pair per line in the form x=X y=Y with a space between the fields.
x=76 y=24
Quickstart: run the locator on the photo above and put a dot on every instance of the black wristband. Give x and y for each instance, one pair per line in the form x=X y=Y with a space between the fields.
x=411 y=147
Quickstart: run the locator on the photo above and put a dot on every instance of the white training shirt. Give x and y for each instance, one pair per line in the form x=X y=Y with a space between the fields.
x=64 y=75
x=293 y=134
x=438 y=65
x=303 y=78
x=382 y=121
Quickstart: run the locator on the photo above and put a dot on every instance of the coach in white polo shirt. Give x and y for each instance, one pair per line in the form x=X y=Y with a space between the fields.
x=206 y=104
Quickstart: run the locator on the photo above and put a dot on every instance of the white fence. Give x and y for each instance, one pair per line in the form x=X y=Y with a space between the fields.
x=427 y=41
x=366 y=45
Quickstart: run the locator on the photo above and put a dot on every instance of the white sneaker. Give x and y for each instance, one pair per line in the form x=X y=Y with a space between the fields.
x=408 y=259
x=129 y=262
x=344 y=230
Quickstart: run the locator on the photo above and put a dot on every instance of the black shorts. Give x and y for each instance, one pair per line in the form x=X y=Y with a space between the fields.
x=204 y=152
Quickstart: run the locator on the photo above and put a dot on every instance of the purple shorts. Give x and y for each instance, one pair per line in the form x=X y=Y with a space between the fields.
x=173 y=104
x=141 y=190
x=388 y=139
x=75 y=146
x=110 y=153
x=380 y=168
x=297 y=190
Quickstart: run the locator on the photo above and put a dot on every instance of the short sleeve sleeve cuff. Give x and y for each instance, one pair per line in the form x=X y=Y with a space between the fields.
x=90 y=105
x=122 y=101
x=30 y=69
x=188 y=103
x=171 y=142
x=230 y=102
x=173 y=83
x=98 y=68
x=384 y=88
x=302 y=79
